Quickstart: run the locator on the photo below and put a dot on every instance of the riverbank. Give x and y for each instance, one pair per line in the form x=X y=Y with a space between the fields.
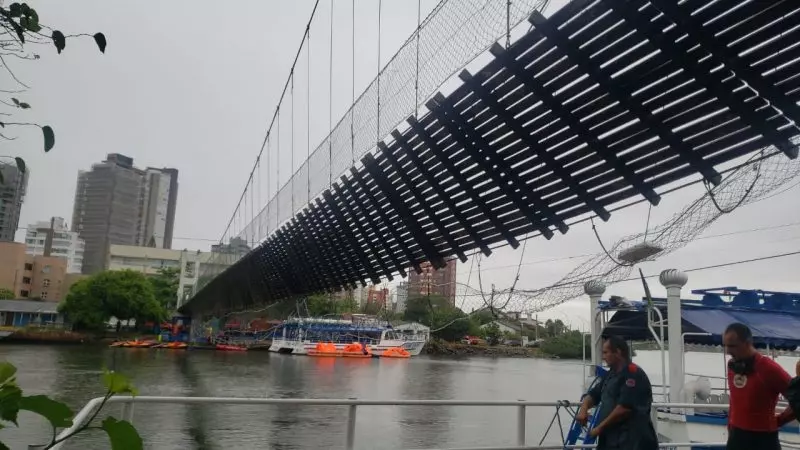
x=442 y=348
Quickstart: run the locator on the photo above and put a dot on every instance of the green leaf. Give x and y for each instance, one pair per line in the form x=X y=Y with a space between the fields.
x=24 y=105
x=100 y=39
x=58 y=414
x=59 y=40
x=117 y=383
x=15 y=9
x=7 y=371
x=16 y=102
x=10 y=395
x=49 y=138
x=20 y=164
x=3 y=446
x=122 y=434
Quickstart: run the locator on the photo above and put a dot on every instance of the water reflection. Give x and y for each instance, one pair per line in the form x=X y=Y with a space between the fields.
x=73 y=375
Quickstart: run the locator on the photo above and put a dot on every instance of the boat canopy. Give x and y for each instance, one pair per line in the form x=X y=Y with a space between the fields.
x=773 y=317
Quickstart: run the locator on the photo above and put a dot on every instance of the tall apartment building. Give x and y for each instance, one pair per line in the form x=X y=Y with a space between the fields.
x=118 y=204
x=401 y=297
x=12 y=194
x=440 y=282
x=63 y=242
x=158 y=201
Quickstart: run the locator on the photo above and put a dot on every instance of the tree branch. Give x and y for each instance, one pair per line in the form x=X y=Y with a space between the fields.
x=12 y=73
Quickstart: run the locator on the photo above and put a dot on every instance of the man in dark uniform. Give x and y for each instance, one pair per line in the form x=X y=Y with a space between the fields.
x=624 y=397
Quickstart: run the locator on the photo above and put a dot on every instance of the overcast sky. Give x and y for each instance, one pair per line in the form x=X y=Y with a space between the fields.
x=193 y=85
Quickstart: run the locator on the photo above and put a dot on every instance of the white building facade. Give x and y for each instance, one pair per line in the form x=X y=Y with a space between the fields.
x=150 y=261
x=66 y=243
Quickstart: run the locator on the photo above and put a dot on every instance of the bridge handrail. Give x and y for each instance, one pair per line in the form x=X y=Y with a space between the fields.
x=128 y=403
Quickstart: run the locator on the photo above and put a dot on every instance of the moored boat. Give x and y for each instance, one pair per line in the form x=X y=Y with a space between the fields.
x=395 y=352
x=230 y=348
x=300 y=336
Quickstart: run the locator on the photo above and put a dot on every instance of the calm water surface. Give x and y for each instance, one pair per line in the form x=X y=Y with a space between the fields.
x=72 y=374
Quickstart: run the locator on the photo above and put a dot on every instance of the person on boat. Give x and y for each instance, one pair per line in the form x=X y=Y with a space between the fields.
x=755 y=382
x=624 y=397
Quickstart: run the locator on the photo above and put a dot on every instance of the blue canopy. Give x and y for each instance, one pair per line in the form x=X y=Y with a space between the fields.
x=776 y=329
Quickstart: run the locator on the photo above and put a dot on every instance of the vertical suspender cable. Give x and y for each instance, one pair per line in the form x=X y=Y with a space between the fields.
x=308 y=118
x=292 y=146
x=378 y=128
x=330 y=107
x=275 y=113
x=508 y=23
x=353 y=92
x=269 y=186
x=278 y=175
x=416 y=76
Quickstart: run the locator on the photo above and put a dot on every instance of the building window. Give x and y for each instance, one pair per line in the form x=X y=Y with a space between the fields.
x=189 y=269
x=44 y=295
x=23 y=294
x=28 y=266
x=46 y=268
x=26 y=280
x=46 y=282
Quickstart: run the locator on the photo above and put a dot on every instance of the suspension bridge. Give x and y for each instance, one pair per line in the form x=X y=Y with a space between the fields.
x=602 y=104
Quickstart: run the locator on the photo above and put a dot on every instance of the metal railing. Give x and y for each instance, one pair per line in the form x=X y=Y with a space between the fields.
x=128 y=403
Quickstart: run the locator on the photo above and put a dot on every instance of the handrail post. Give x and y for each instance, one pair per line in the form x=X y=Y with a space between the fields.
x=351 y=427
x=127 y=412
x=521 y=425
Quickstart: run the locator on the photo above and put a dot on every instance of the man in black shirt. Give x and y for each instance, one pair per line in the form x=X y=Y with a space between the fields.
x=624 y=397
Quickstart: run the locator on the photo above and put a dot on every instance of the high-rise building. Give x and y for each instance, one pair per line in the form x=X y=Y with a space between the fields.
x=118 y=204
x=440 y=282
x=63 y=242
x=377 y=295
x=400 y=297
x=12 y=194
x=235 y=246
x=158 y=201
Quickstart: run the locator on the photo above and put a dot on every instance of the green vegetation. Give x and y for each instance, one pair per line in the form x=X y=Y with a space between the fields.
x=19 y=26
x=566 y=345
x=165 y=287
x=123 y=294
x=6 y=294
x=446 y=321
x=122 y=435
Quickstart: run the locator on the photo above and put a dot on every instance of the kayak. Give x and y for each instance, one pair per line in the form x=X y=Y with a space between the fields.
x=230 y=348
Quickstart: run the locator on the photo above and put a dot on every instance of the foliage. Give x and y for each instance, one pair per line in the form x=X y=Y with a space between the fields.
x=123 y=294
x=19 y=26
x=122 y=434
x=493 y=333
x=325 y=305
x=6 y=294
x=554 y=327
x=165 y=287
x=446 y=321
x=567 y=345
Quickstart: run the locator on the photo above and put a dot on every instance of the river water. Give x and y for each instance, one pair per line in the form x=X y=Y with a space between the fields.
x=72 y=374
